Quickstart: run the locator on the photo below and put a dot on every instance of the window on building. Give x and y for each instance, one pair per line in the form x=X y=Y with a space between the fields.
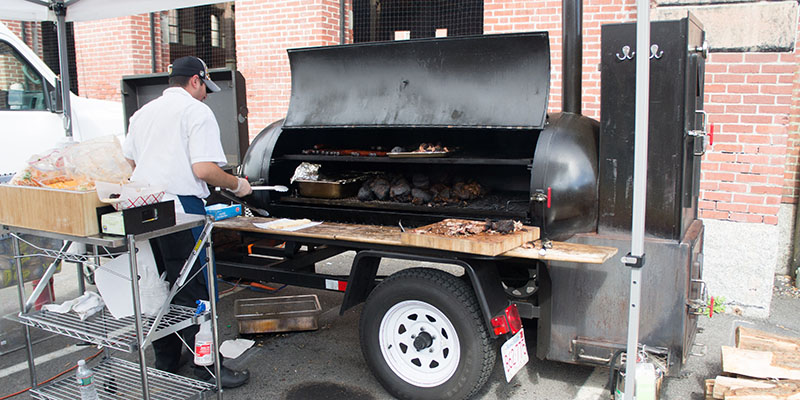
x=21 y=86
x=214 y=31
x=377 y=20
x=172 y=20
x=204 y=31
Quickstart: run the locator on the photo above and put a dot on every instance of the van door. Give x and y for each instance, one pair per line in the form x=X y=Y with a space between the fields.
x=29 y=125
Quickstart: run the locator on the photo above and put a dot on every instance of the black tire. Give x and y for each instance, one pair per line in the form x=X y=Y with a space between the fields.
x=393 y=305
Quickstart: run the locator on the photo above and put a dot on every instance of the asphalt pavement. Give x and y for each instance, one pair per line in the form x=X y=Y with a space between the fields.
x=327 y=363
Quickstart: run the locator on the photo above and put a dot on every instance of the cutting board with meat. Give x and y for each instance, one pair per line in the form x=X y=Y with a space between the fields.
x=488 y=238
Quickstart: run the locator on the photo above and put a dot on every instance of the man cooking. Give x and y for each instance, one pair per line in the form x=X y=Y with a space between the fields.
x=174 y=142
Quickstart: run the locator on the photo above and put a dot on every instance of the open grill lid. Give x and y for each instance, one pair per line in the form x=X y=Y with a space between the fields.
x=491 y=81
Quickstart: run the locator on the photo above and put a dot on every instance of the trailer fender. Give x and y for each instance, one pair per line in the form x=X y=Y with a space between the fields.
x=482 y=275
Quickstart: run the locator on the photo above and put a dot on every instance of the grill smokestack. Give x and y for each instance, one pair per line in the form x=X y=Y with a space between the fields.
x=571 y=55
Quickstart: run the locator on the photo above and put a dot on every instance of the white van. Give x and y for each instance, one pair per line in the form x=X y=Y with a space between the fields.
x=30 y=109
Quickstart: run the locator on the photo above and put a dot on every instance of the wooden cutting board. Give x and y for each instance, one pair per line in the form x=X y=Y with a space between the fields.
x=483 y=243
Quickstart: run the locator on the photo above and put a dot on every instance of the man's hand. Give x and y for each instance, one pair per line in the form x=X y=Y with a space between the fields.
x=242 y=188
x=212 y=174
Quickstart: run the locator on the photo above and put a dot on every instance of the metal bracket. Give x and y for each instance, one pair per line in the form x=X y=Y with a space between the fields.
x=633 y=261
x=698 y=350
x=702 y=49
x=539 y=196
x=701 y=133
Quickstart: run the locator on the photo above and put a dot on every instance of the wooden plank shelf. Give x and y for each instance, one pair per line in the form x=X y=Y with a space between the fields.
x=391 y=236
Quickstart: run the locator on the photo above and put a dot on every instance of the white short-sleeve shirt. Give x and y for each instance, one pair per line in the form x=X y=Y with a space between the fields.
x=169 y=134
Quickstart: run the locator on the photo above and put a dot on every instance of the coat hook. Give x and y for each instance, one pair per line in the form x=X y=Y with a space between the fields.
x=655 y=52
x=627 y=54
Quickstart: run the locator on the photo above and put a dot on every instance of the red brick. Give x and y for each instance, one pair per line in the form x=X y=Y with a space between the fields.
x=760 y=58
x=725 y=58
x=732 y=207
x=765 y=190
x=767 y=210
x=706 y=214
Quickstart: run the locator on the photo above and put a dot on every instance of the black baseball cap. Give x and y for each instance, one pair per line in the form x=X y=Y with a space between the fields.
x=191 y=66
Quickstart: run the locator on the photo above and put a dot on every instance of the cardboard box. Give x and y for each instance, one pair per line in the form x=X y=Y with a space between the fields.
x=221 y=211
x=51 y=210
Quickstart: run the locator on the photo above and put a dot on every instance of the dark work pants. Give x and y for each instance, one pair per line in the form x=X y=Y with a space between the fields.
x=171 y=252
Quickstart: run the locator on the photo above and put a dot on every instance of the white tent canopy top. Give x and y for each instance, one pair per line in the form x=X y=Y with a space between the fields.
x=87 y=10
x=61 y=11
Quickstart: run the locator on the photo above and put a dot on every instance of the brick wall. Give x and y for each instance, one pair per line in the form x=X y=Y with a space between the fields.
x=108 y=49
x=264 y=30
x=748 y=98
x=752 y=98
x=10 y=67
x=792 y=172
x=503 y=16
x=746 y=174
x=16 y=28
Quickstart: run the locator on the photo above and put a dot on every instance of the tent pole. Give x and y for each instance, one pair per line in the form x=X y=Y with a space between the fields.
x=636 y=257
x=60 y=9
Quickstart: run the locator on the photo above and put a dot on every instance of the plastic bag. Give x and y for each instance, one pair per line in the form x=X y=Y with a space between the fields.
x=46 y=170
x=113 y=283
x=76 y=166
x=98 y=159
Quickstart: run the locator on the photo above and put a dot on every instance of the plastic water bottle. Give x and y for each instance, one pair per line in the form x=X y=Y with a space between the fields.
x=85 y=378
x=203 y=339
x=645 y=381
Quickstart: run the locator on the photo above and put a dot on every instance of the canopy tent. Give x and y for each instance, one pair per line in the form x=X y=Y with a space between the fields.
x=61 y=11
x=635 y=259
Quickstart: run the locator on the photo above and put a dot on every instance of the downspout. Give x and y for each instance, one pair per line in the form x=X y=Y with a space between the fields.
x=794 y=268
x=341 y=21
x=572 y=55
x=153 y=41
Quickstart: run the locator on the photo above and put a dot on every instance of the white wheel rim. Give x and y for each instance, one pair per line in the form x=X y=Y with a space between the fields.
x=434 y=364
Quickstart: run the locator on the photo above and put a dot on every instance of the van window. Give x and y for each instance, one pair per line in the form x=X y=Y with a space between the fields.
x=20 y=84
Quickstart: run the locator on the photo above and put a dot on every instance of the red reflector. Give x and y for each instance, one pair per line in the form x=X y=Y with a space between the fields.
x=549 y=196
x=711 y=136
x=500 y=325
x=342 y=286
x=514 y=321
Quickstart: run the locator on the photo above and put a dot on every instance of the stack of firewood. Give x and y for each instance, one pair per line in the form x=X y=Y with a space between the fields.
x=762 y=366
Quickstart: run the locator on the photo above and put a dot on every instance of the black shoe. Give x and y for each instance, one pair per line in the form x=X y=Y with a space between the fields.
x=185 y=357
x=230 y=378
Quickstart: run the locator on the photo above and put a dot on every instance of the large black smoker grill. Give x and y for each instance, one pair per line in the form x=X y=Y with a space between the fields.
x=564 y=172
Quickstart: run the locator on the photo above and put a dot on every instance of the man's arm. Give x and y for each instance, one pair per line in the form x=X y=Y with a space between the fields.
x=212 y=174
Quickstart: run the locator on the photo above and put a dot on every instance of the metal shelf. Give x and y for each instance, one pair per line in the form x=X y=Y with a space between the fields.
x=410 y=160
x=119 y=379
x=103 y=329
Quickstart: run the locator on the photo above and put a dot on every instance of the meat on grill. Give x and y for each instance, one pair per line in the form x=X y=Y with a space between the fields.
x=420 y=191
x=401 y=191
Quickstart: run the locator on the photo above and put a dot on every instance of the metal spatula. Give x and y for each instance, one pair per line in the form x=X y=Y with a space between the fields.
x=277 y=188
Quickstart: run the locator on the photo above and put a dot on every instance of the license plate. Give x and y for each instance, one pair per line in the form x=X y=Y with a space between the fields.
x=515 y=354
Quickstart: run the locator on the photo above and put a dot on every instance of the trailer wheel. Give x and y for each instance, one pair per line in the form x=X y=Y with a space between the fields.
x=424 y=337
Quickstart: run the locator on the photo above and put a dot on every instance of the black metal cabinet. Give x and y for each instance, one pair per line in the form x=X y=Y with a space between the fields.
x=676 y=100
x=229 y=106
